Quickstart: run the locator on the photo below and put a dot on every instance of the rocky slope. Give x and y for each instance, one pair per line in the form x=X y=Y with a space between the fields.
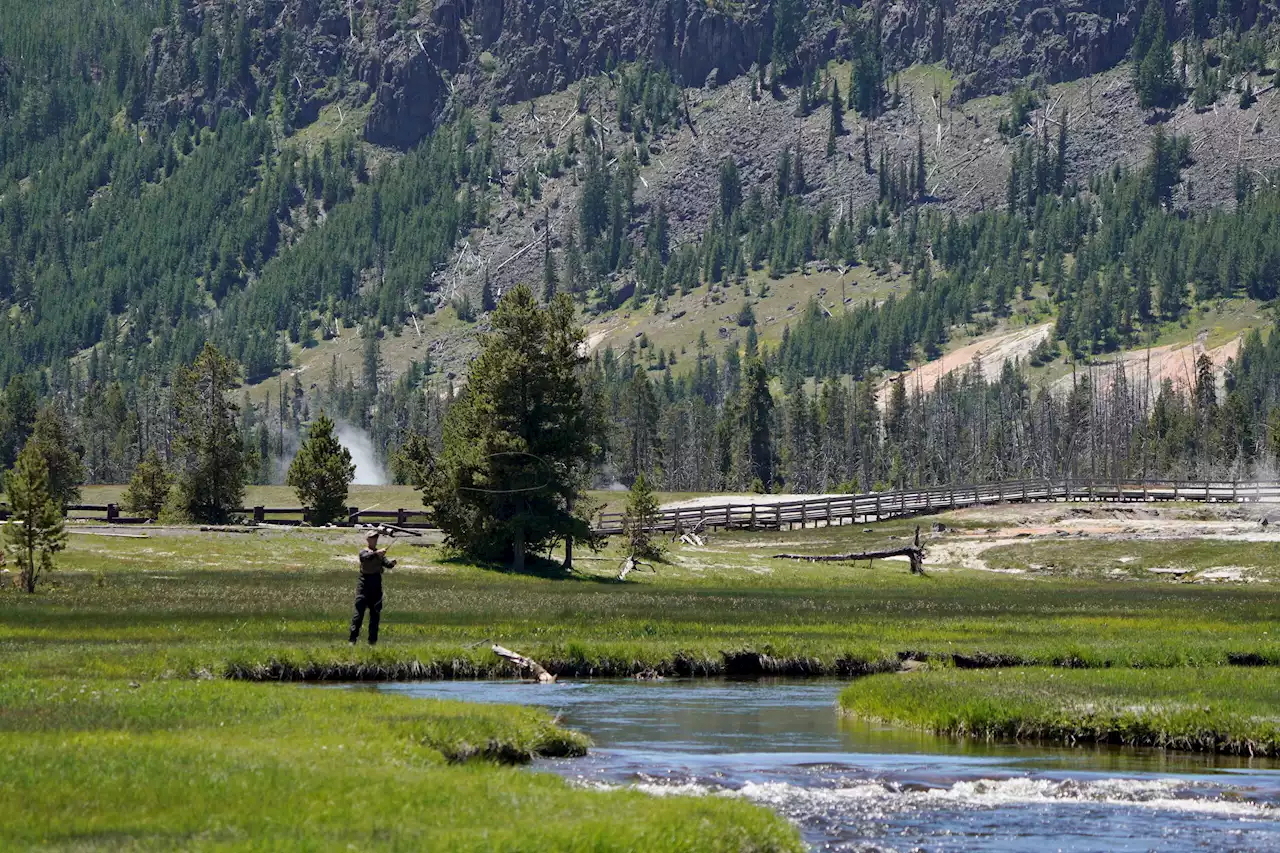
x=408 y=60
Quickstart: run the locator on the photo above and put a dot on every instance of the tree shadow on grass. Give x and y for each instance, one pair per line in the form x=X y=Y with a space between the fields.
x=534 y=567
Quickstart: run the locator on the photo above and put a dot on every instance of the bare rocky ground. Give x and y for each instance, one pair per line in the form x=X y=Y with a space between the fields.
x=966 y=156
x=1154 y=542
x=1175 y=542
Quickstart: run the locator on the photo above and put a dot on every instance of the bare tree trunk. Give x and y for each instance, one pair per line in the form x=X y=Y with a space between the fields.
x=568 y=553
x=517 y=560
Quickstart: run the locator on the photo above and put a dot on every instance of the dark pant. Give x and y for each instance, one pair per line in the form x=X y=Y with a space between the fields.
x=368 y=597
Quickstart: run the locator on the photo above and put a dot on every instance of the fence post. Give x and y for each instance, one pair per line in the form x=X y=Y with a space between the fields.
x=401 y=517
x=259 y=515
x=113 y=513
x=877 y=506
x=353 y=515
x=753 y=515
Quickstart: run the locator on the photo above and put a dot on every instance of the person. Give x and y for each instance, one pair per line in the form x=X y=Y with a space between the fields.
x=373 y=562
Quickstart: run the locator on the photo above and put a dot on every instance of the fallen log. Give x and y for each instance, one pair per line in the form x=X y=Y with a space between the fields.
x=525 y=664
x=913 y=552
x=112 y=535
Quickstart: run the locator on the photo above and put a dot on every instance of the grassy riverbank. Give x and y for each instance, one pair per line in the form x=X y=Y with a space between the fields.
x=214 y=765
x=187 y=758
x=1234 y=710
x=275 y=604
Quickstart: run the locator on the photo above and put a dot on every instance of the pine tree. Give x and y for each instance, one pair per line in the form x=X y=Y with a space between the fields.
x=730 y=188
x=550 y=278
x=322 y=472
x=866 y=150
x=148 y=487
x=752 y=457
x=519 y=442
x=640 y=515
x=1152 y=58
x=34 y=531
x=52 y=437
x=414 y=463
x=487 y=302
x=1247 y=98
x=798 y=183
x=210 y=457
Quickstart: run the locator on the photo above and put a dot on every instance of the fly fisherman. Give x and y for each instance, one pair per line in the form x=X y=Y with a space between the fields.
x=369 y=588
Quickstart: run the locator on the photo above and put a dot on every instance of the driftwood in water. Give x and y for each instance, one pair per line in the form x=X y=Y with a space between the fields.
x=525 y=664
x=913 y=552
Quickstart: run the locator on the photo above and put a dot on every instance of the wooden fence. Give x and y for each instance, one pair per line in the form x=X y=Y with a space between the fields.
x=877 y=506
x=814 y=511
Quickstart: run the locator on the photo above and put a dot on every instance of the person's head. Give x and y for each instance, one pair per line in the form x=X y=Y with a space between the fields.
x=371 y=539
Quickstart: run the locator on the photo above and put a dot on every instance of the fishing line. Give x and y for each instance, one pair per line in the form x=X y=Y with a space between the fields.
x=545 y=464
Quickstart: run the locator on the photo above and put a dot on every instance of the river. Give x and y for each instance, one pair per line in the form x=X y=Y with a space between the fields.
x=850 y=785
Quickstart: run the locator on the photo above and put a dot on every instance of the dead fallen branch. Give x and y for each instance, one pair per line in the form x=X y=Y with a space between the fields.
x=112 y=535
x=525 y=664
x=913 y=552
x=630 y=565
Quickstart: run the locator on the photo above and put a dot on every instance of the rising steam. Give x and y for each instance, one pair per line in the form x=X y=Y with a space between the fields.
x=369 y=472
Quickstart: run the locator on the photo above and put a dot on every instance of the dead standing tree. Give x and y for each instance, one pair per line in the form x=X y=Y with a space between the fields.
x=913 y=552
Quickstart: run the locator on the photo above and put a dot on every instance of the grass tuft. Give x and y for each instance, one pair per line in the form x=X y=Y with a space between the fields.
x=1200 y=710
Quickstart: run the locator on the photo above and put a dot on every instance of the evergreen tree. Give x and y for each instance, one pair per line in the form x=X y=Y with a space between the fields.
x=322 y=472
x=640 y=515
x=149 y=486
x=17 y=418
x=730 y=188
x=371 y=362
x=210 y=457
x=414 y=463
x=1152 y=58
x=34 y=531
x=752 y=458
x=550 y=278
x=788 y=17
x=1247 y=98
x=519 y=442
x=52 y=437
x=487 y=302
x=866 y=150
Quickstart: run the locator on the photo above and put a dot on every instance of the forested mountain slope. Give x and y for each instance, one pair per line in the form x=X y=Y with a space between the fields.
x=285 y=178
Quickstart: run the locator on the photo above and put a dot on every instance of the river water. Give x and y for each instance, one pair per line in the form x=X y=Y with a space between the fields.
x=854 y=786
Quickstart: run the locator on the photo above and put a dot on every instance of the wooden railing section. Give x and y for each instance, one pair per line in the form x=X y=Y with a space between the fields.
x=812 y=511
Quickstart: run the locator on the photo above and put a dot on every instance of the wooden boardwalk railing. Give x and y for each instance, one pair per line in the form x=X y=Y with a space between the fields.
x=877 y=506
x=817 y=510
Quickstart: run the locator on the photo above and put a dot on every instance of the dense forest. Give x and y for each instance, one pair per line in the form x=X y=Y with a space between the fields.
x=155 y=196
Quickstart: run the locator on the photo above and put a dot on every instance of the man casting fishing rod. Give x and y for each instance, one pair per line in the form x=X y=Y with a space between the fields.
x=373 y=562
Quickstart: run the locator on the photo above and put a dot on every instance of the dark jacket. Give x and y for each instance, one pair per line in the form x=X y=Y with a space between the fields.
x=373 y=563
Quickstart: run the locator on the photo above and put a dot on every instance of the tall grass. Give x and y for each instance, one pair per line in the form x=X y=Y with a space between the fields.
x=216 y=765
x=1204 y=710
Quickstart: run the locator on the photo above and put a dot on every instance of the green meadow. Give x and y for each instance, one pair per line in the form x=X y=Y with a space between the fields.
x=133 y=716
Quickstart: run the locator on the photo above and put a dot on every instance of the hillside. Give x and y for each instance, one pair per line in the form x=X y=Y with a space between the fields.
x=337 y=193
